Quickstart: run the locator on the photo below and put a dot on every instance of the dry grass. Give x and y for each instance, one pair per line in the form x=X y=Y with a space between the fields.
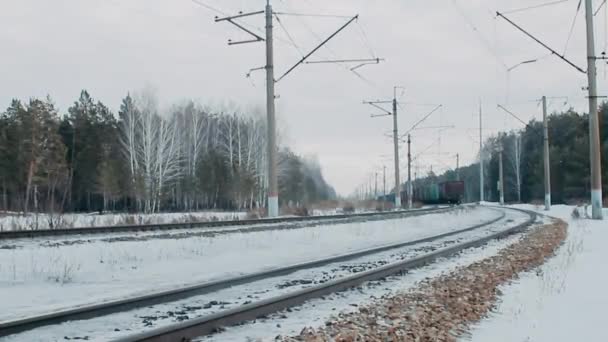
x=441 y=309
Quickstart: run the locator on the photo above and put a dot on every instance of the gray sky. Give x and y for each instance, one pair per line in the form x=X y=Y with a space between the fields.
x=445 y=52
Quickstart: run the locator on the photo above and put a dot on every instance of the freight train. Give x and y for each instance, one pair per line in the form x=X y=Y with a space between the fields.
x=450 y=192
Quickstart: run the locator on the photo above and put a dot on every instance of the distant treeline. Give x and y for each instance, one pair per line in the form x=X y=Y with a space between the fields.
x=523 y=161
x=187 y=158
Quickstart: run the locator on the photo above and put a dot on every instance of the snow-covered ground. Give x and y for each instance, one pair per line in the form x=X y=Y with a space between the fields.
x=563 y=300
x=123 y=324
x=316 y=312
x=13 y=221
x=70 y=275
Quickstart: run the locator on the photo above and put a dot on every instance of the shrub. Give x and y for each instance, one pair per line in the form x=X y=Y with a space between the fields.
x=575 y=213
x=349 y=208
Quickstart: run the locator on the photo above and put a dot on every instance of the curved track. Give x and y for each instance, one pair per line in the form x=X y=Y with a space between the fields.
x=19 y=234
x=209 y=323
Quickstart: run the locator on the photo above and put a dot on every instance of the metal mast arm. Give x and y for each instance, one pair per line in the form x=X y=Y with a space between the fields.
x=562 y=57
x=317 y=48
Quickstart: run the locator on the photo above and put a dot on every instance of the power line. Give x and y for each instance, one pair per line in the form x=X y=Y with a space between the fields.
x=288 y=35
x=209 y=7
x=546 y=4
x=599 y=8
x=365 y=40
x=480 y=36
x=578 y=9
x=313 y=15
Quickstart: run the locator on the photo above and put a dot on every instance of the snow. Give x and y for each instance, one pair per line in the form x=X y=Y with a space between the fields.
x=70 y=275
x=563 y=300
x=13 y=221
x=104 y=328
x=315 y=313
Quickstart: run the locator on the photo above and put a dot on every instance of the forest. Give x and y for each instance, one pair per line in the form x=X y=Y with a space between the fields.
x=523 y=161
x=143 y=158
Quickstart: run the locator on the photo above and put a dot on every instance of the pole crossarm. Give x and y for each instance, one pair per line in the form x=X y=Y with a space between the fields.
x=421 y=121
x=562 y=57
x=518 y=119
x=375 y=60
x=230 y=19
x=317 y=48
x=434 y=127
x=376 y=105
x=513 y=115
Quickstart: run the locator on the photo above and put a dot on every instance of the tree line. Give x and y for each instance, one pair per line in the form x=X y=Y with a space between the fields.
x=143 y=159
x=523 y=161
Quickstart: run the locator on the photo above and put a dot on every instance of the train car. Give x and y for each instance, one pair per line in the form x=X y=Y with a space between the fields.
x=451 y=192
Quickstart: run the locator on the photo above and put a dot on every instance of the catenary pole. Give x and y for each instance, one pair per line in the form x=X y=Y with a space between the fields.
x=481 y=199
x=273 y=184
x=501 y=181
x=594 y=134
x=409 y=171
x=396 y=143
x=546 y=156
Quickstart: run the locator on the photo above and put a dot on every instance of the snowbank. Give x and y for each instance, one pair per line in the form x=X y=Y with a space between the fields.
x=47 y=221
x=563 y=300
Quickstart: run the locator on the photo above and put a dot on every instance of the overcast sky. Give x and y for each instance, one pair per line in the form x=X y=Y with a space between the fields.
x=453 y=53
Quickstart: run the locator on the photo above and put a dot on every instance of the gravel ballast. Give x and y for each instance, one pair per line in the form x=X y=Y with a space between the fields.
x=442 y=308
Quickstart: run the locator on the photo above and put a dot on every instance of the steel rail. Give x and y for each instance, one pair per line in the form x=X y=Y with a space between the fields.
x=18 y=234
x=198 y=327
x=107 y=308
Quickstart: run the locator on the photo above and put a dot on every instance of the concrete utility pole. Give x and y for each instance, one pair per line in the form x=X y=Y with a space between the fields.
x=383 y=186
x=273 y=188
x=396 y=143
x=409 y=171
x=394 y=113
x=518 y=168
x=384 y=180
x=501 y=181
x=480 y=155
x=376 y=185
x=594 y=133
x=273 y=183
x=546 y=156
x=457 y=167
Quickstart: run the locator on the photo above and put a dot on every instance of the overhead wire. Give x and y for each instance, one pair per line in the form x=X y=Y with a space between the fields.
x=578 y=9
x=288 y=35
x=599 y=8
x=314 y=15
x=480 y=36
x=546 y=4
x=365 y=39
x=209 y=7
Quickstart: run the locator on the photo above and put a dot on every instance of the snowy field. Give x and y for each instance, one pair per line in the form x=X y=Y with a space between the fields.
x=14 y=221
x=565 y=299
x=71 y=275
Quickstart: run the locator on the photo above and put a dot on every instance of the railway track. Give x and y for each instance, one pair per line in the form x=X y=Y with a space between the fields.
x=20 y=234
x=207 y=324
